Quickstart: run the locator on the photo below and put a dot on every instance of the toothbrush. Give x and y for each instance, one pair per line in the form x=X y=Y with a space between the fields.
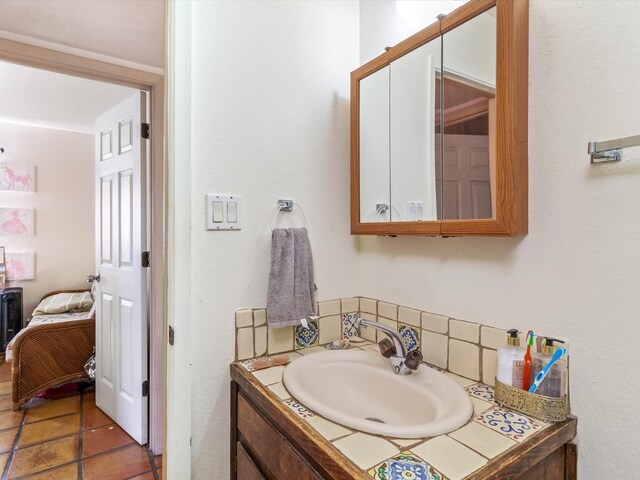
x=543 y=373
x=526 y=374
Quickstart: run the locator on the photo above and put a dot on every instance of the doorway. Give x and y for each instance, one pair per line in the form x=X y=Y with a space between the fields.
x=116 y=75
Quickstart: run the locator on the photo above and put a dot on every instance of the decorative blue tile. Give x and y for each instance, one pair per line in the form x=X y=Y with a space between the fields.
x=481 y=391
x=509 y=423
x=298 y=408
x=399 y=470
x=349 y=326
x=411 y=336
x=406 y=466
x=307 y=337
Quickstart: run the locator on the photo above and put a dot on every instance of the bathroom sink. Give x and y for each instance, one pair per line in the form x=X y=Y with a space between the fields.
x=359 y=389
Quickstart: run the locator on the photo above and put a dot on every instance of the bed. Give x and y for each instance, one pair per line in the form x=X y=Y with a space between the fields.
x=51 y=350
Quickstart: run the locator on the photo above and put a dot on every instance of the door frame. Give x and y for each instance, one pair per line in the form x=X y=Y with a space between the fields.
x=154 y=84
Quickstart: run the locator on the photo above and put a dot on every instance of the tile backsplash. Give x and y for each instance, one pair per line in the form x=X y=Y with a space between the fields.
x=465 y=348
x=254 y=339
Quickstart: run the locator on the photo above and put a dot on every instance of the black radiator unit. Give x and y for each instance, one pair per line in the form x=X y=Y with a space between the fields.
x=10 y=314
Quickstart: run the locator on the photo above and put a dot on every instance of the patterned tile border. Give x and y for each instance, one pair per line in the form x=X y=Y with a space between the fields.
x=509 y=423
x=298 y=408
x=481 y=391
x=349 y=327
x=307 y=337
x=405 y=466
x=411 y=336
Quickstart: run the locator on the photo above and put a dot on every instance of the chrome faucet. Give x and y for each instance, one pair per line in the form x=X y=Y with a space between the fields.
x=403 y=362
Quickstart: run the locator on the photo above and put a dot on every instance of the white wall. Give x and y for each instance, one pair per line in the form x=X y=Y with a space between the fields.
x=63 y=203
x=576 y=273
x=270 y=118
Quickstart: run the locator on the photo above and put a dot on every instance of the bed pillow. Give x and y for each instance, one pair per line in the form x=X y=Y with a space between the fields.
x=65 y=302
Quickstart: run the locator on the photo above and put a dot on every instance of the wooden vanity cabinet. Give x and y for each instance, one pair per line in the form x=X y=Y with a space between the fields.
x=269 y=442
x=275 y=457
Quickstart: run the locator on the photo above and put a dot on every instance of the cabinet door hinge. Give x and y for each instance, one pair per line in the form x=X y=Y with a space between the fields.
x=145 y=388
x=171 y=335
x=146 y=256
x=145 y=130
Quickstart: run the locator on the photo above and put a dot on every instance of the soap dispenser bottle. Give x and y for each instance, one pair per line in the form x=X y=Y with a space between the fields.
x=555 y=383
x=511 y=361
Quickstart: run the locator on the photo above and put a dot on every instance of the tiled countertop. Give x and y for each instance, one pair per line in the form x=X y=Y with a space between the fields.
x=491 y=431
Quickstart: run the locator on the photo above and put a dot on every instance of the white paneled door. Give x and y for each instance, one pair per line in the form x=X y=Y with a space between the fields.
x=467 y=177
x=121 y=237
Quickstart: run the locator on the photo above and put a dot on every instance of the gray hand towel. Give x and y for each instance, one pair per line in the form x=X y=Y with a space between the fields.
x=291 y=284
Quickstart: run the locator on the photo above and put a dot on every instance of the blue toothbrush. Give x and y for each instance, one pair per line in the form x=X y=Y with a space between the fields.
x=559 y=353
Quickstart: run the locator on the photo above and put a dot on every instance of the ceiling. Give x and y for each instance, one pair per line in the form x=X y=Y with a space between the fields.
x=132 y=31
x=42 y=98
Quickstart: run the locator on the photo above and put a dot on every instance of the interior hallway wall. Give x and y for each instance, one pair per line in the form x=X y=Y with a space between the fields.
x=576 y=273
x=63 y=203
x=270 y=119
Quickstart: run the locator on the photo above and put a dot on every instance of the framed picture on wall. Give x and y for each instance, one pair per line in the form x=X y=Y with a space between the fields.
x=17 y=222
x=20 y=266
x=17 y=176
x=2 y=259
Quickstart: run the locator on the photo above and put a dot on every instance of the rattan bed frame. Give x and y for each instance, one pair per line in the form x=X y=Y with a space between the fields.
x=50 y=355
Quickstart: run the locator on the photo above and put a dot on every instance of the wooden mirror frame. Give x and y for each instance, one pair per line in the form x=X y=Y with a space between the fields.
x=510 y=189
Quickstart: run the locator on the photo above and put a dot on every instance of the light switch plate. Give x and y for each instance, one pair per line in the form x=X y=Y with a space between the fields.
x=218 y=209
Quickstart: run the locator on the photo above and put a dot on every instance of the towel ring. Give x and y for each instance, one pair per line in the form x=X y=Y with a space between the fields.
x=287 y=206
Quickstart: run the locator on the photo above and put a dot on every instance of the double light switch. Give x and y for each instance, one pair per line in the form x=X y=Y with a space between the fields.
x=223 y=212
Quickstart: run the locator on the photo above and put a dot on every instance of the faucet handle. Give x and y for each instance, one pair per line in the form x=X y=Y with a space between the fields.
x=413 y=360
x=386 y=348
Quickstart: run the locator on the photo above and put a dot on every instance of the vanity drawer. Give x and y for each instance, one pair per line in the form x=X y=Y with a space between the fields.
x=272 y=452
x=246 y=467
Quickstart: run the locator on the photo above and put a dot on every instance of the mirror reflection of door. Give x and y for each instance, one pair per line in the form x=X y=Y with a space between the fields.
x=469 y=153
x=467 y=186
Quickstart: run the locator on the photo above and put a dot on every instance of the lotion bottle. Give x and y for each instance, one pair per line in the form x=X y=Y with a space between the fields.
x=555 y=383
x=511 y=361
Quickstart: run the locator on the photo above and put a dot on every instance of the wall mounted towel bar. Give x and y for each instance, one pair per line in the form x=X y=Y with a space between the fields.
x=609 y=151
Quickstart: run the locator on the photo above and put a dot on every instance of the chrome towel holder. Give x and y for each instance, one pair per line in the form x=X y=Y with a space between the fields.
x=286 y=205
x=609 y=151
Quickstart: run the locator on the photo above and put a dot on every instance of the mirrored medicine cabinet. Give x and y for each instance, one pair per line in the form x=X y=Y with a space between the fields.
x=439 y=128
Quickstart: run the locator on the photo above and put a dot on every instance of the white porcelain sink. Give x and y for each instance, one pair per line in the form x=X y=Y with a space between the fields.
x=358 y=389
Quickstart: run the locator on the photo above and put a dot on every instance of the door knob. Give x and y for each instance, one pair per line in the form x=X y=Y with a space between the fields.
x=93 y=278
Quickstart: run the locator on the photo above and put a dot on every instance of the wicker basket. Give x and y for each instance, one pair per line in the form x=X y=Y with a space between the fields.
x=545 y=408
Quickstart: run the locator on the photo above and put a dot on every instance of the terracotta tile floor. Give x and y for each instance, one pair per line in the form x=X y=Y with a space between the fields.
x=67 y=439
